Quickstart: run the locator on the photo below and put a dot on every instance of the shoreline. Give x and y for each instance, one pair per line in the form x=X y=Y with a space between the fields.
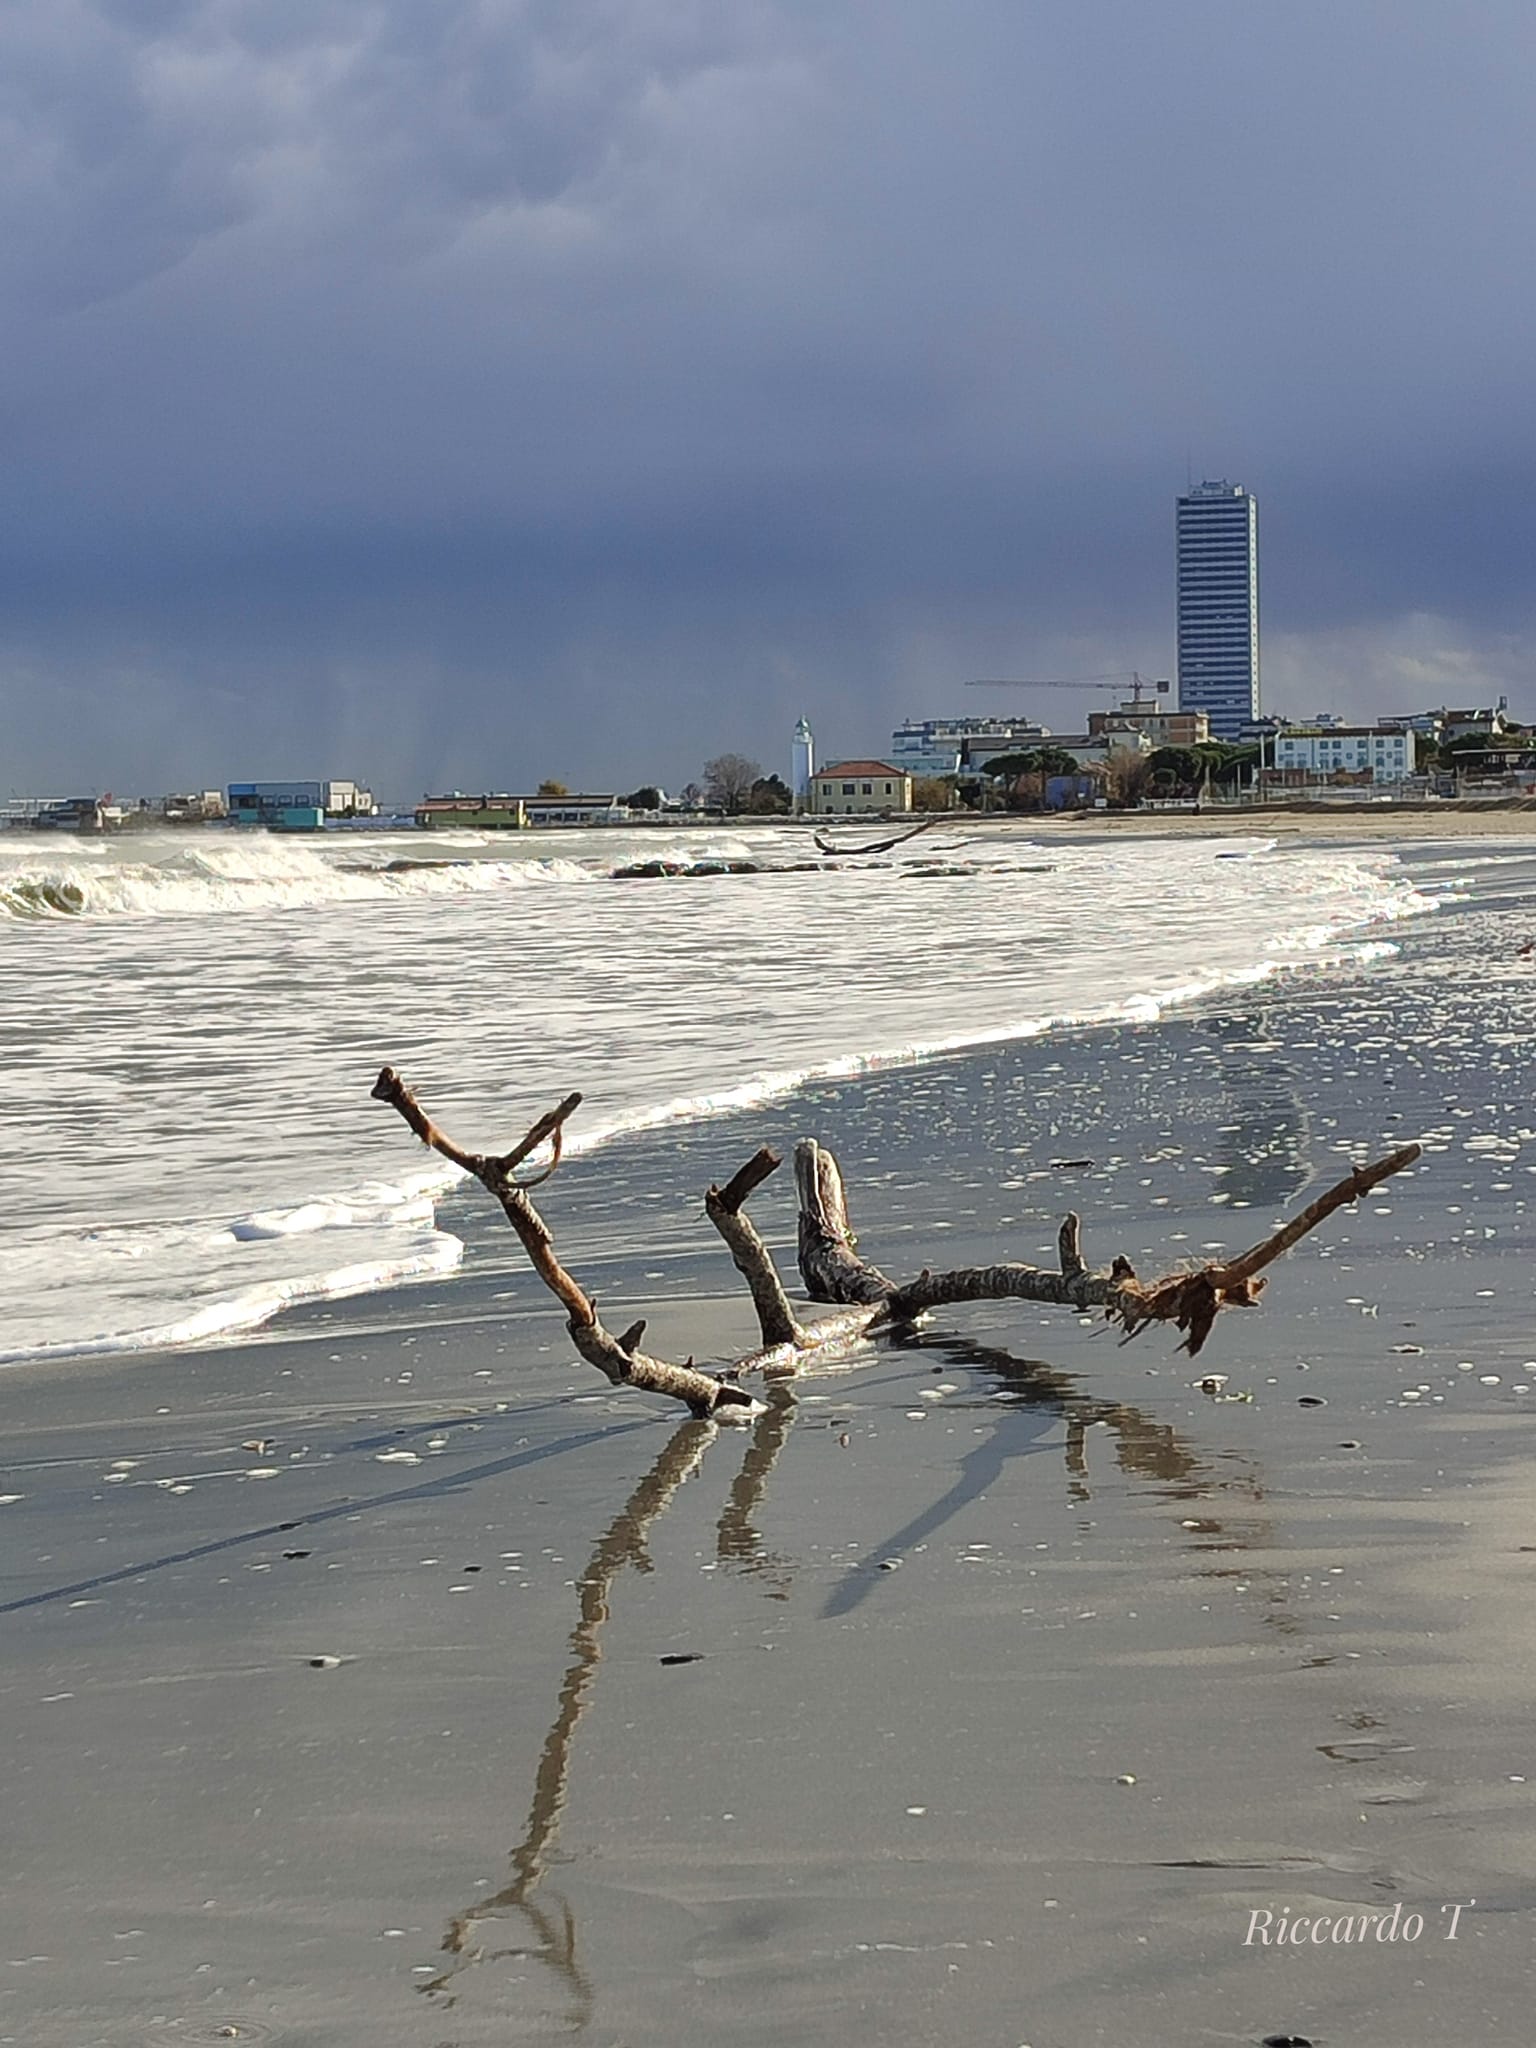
x=982 y=1692
x=1376 y=822
x=1447 y=817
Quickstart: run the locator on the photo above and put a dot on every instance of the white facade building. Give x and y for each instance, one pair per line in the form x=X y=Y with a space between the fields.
x=946 y=746
x=1218 y=605
x=1320 y=751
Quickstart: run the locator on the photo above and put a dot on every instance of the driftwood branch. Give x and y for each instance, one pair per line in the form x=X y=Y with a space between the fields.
x=875 y=845
x=752 y=1258
x=829 y=1264
x=620 y=1362
x=834 y=1271
x=1191 y=1300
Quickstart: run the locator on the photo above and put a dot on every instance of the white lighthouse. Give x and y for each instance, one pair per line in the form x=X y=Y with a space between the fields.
x=802 y=764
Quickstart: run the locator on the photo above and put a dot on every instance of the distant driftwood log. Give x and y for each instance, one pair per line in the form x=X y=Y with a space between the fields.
x=832 y=1270
x=876 y=845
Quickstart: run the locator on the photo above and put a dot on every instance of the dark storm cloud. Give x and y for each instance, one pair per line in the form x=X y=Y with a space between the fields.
x=584 y=386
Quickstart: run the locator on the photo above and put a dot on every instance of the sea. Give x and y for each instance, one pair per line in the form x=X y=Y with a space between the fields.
x=191 y=1023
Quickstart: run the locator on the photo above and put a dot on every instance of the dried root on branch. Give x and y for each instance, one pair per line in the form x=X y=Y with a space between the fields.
x=833 y=1271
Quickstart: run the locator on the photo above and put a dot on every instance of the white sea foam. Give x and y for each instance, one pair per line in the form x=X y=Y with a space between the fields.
x=237 y=1313
x=215 y=873
x=185 y=1059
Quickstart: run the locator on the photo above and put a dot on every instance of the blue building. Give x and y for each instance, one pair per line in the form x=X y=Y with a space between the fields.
x=297 y=806
x=1218 y=605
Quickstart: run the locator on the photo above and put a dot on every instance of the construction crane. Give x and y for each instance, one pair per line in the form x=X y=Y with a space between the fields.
x=1142 y=692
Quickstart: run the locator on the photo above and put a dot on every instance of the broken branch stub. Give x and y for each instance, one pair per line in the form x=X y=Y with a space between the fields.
x=750 y=1256
x=829 y=1264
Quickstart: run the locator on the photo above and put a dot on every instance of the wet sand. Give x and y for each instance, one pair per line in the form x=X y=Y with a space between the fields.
x=980 y=1694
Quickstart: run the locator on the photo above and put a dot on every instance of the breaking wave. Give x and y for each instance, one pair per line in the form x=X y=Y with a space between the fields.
x=188 y=1119
x=242 y=874
x=209 y=873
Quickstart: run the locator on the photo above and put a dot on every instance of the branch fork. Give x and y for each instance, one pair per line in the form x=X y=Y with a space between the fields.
x=619 y=1359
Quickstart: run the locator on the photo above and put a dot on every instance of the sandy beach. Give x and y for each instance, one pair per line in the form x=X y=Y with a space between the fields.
x=392 y=1679
x=1366 y=823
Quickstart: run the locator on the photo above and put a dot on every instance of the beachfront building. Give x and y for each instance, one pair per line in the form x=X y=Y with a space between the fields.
x=518 y=813
x=78 y=814
x=802 y=765
x=278 y=803
x=1319 y=753
x=1217 y=532
x=1164 y=728
x=473 y=813
x=576 y=809
x=950 y=746
x=1451 y=726
x=1093 y=749
x=843 y=788
x=1504 y=760
x=16 y=811
x=1098 y=757
x=193 y=807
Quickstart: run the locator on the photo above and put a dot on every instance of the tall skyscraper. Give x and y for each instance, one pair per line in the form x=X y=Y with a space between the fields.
x=1218 y=585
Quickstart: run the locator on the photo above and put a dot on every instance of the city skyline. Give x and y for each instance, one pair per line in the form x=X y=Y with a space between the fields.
x=465 y=391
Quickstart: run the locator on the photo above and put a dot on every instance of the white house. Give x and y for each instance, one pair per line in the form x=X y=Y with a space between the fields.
x=1316 y=752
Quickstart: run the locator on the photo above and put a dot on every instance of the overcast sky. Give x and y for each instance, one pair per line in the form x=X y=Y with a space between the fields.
x=460 y=392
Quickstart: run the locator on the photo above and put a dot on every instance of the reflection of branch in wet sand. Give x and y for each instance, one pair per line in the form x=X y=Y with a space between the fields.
x=554 y=1929
x=1233 y=1517
x=737 y=1541
x=1143 y=1446
x=623 y=1543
